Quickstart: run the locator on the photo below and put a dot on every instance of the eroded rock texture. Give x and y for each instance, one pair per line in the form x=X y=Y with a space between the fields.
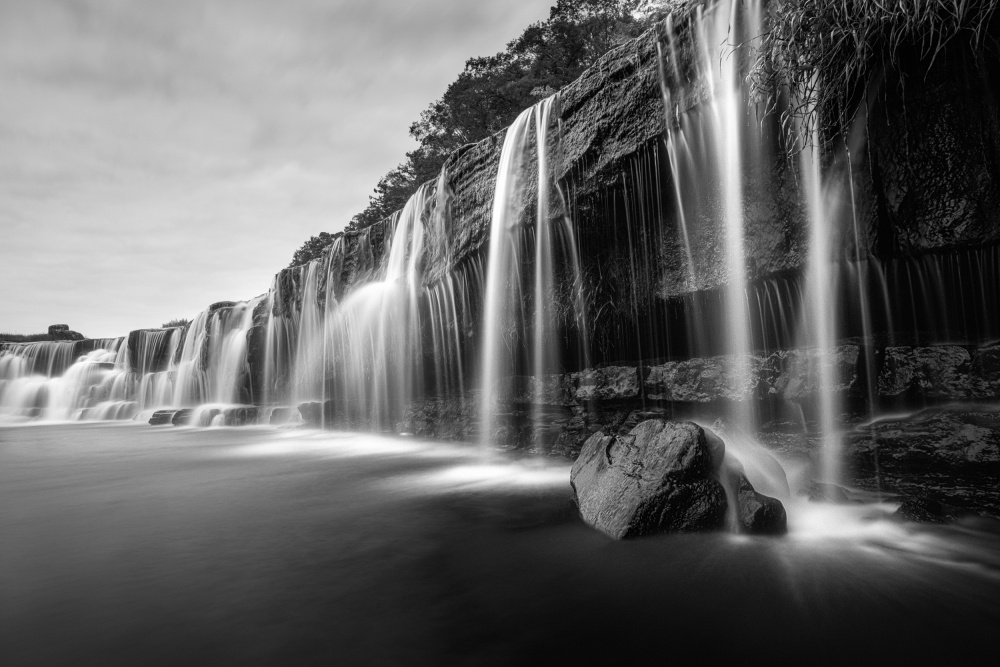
x=664 y=477
x=658 y=478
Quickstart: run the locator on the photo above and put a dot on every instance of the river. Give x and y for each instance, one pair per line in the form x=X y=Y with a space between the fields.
x=124 y=544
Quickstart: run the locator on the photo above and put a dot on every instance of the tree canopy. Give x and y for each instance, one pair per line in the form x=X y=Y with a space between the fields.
x=491 y=91
x=311 y=249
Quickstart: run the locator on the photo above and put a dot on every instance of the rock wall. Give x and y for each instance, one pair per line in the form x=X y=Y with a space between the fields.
x=558 y=412
x=925 y=181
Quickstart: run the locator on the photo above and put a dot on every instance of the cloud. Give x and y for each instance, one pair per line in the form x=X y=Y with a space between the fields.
x=158 y=156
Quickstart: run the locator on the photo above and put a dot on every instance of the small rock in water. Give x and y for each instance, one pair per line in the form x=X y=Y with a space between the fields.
x=756 y=513
x=162 y=417
x=182 y=417
x=657 y=479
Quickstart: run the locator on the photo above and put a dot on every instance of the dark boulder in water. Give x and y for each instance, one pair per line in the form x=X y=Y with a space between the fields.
x=660 y=478
x=162 y=417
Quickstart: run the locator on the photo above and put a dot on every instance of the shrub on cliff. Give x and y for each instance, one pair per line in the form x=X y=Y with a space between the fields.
x=490 y=92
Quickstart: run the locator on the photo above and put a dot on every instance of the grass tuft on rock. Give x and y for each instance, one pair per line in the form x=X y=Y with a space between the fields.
x=821 y=55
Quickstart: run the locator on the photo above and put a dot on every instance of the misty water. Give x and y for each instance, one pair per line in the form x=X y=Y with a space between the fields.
x=125 y=544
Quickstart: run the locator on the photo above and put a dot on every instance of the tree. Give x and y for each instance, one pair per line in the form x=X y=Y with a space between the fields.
x=491 y=91
x=312 y=249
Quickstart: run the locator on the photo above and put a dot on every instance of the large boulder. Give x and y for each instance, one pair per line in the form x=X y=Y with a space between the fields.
x=661 y=477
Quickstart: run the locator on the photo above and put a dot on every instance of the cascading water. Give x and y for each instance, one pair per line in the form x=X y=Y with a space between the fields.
x=65 y=380
x=121 y=377
x=711 y=147
x=155 y=377
x=507 y=326
x=820 y=311
x=716 y=145
x=373 y=337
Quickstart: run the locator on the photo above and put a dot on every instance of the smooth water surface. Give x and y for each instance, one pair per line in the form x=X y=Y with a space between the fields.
x=129 y=544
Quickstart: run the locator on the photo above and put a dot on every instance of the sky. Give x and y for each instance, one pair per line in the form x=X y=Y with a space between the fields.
x=156 y=157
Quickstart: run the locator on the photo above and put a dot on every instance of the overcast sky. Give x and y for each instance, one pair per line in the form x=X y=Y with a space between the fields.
x=159 y=155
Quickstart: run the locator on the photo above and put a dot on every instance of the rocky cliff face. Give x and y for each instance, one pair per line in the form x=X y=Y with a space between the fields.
x=933 y=167
x=926 y=182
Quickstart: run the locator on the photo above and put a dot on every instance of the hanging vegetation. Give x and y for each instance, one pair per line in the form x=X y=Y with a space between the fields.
x=821 y=54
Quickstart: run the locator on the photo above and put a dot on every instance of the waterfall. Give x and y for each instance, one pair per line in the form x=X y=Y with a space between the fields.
x=710 y=147
x=820 y=313
x=65 y=380
x=281 y=335
x=310 y=350
x=374 y=335
x=515 y=313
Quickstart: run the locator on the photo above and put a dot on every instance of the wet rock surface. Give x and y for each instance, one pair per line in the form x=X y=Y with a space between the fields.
x=443 y=419
x=656 y=479
x=935 y=438
x=942 y=372
x=945 y=456
x=608 y=383
x=704 y=380
x=183 y=417
x=756 y=513
x=162 y=417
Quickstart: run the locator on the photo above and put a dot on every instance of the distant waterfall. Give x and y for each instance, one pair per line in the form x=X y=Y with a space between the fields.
x=65 y=380
x=118 y=378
